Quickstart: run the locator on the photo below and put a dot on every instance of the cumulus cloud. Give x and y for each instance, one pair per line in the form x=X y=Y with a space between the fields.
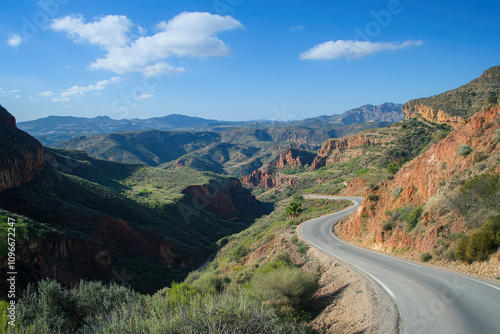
x=189 y=34
x=353 y=49
x=109 y=31
x=79 y=91
x=14 y=40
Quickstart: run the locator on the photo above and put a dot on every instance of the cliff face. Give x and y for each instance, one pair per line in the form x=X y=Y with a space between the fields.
x=21 y=156
x=267 y=179
x=295 y=158
x=69 y=259
x=418 y=182
x=333 y=150
x=419 y=110
x=227 y=201
x=454 y=106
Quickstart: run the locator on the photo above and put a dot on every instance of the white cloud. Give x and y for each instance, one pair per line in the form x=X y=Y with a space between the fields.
x=353 y=49
x=80 y=91
x=47 y=93
x=293 y=29
x=14 y=40
x=145 y=96
x=109 y=31
x=10 y=93
x=189 y=34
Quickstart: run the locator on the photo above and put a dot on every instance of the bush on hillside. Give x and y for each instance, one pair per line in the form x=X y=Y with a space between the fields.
x=286 y=285
x=63 y=310
x=425 y=257
x=464 y=150
x=480 y=244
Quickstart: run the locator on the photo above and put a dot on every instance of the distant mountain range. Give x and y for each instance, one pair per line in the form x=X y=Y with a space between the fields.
x=52 y=129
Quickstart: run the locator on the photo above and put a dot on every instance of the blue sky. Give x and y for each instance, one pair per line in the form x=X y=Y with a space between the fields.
x=236 y=59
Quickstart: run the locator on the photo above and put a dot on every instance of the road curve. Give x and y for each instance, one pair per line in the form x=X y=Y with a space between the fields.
x=429 y=300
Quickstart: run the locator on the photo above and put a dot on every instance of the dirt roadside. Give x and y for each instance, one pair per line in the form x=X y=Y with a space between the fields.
x=349 y=301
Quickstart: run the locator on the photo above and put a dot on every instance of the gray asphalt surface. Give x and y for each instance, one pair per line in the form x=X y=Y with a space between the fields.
x=429 y=300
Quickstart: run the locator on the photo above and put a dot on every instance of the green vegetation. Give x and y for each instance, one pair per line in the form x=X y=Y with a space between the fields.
x=467 y=99
x=50 y=308
x=496 y=138
x=293 y=209
x=425 y=257
x=373 y=197
x=480 y=244
x=492 y=99
x=96 y=308
x=268 y=298
x=464 y=150
x=397 y=192
x=412 y=139
x=408 y=215
x=285 y=285
x=79 y=196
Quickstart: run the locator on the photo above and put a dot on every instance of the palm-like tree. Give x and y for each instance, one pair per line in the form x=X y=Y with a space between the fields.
x=293 y=210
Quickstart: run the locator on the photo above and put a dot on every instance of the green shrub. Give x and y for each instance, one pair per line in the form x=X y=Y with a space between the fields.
x=492 y=99
x=496 y=137
x=362 y=172
x=397 y=192
x=302 y=247
x=65 y=310
x=208 y=283
x=293 y=209
x=392 y=168
x=373 y=197
x=226 y=313
x=409 y=215
x=480 y=244
x=286 y=285
x=480 y=156
x=464 y=150
x=389 y=225
x=425 y=257
x=236 y=253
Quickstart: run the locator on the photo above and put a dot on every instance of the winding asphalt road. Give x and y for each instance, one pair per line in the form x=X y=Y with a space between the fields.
x=429 y=300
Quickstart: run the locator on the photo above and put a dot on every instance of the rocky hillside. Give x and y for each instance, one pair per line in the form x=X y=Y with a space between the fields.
x=85 y=218
x=21 y=155
x=334 y=150
x=456 y=105
x=420 y=209
x=430 y=182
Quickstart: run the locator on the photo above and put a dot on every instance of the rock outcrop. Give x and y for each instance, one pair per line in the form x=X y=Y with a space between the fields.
x=295 y=158
x=333 y=150
x=267 y=179
x=419 y=181
x=226 y=201
x=421 y=111
x=21 y=156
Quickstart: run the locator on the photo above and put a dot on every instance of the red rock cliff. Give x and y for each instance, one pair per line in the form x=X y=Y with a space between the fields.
x=332 y=150
x=295 y=158
x=21 y=156
x=418 y=181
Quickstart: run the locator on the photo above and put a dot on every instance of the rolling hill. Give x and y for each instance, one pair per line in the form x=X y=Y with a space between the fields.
x=86 y=218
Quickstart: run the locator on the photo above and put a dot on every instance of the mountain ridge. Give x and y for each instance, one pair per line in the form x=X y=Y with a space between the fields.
x=52 y=129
